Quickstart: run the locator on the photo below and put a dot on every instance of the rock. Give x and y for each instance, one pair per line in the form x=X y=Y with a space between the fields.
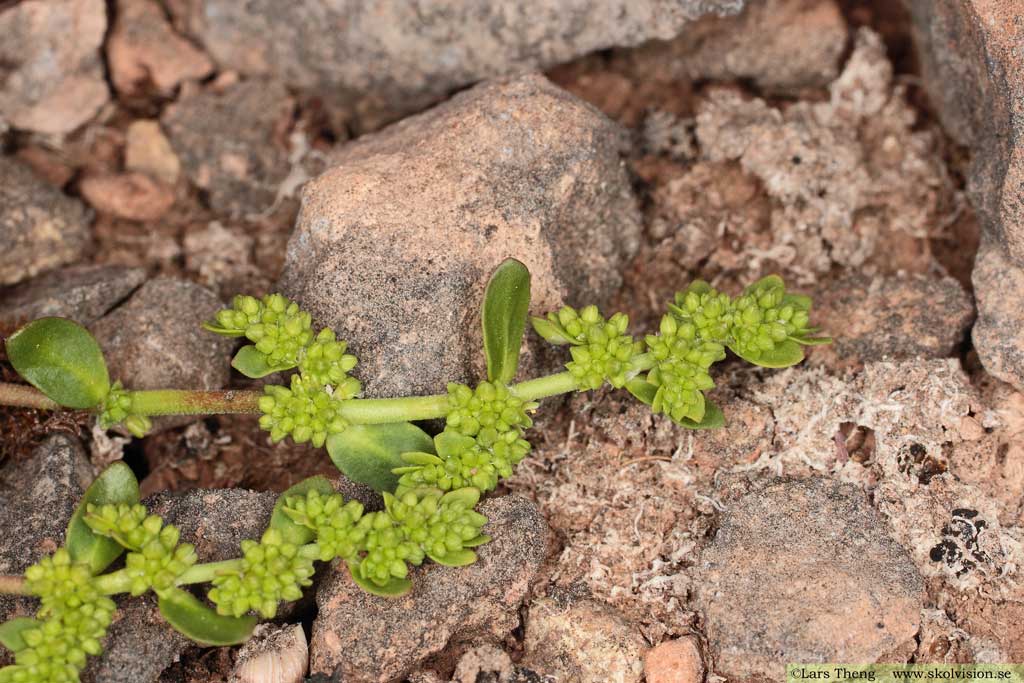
x=890 y=318
x=998 y=287
x=40 y=493
x=973 y=69
x=154 y=340
x=147 y=150
x=674 y=661
x=368 y=638
x=805 y=571
x=394 y=245
x=399 y=59
x=781 y=46
x=583 y=641
x=274 y=654
x=40 y=227
x=140 y=644
x=143 y=49
x=229 y=143
x=82 y=293
x=52 y=68
x=132 y=196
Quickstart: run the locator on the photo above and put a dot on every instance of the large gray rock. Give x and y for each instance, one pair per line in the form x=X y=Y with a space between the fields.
x=394 y=245
x=81 y=293
x=52 y=75
x=39 y=495
x=227 y=143
x=399 y=56
x=154 y=340
x=805 y=571
x=373 y=639
x=40 y=227
x=973 y=67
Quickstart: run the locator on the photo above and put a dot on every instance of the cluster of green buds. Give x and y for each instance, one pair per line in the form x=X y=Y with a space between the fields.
x=271 y=571
x=601 y=350
x=277 y=326
x=335 y=523
x=680 y=373
x=117 y=408
x=481 y=443
x=70 y=624
x=156 y=560
x=765 y=317
x=309 y=410
x=304 y=412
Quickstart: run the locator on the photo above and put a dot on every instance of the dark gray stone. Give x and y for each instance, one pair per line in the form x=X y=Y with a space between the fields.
x=81 y=293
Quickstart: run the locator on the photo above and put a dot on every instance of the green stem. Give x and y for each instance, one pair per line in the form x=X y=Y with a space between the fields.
x=23 y=396
x=184 y=402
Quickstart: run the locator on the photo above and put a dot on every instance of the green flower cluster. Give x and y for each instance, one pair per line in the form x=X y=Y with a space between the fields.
x=304 y=411
x=157 y=559
x=277 y=326
x=709 y=310
x=117 y=408
x=326 y=363
x=310 y=408
x=379 y=546
x=271 y=571
x=764 y=317
x=601 y=349
x=335 y=523
x=73 y=620
x=488 y=413
x=680 y=372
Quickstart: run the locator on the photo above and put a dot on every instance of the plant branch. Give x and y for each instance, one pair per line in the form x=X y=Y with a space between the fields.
x=23 y=396
x=13 y=584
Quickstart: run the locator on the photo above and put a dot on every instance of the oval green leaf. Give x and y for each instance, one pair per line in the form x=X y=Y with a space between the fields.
x=11 y=632
x=115 y=485
x=394 y=588
x=252 y=363
x=61 y=359
x=503 y=314
x=643 y=390
x=456 y=558
x=291 y=531
x=368 y=453
x=550 y=332
x=468 y=496
x=189 y=616
x=474 y=542
x=784 y=354
x=713 y=418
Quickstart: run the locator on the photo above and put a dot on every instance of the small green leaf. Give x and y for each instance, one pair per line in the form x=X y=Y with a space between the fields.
x=812 y=341
x=114 y=485
x=785 y=354
x=393 y=589
x=11 y=632
x=290 y=531
x=210 y=326
x=368 y=453
x=642 y=389
x=252 y=363
x=800 y=302
x=503 y=314
x=550 y=332
x=468 y=496
x=455 y=558
x=61 y=359
x=452 y=444
x=479 y=540
x=189 y=616
x=417 y=458
x=767 y=282
x=713 y=418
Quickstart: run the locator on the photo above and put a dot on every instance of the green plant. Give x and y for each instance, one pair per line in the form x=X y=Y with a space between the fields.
x=430 y=485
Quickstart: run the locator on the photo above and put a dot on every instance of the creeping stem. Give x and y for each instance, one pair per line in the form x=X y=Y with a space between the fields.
x=13 y=585
x=355 y=411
